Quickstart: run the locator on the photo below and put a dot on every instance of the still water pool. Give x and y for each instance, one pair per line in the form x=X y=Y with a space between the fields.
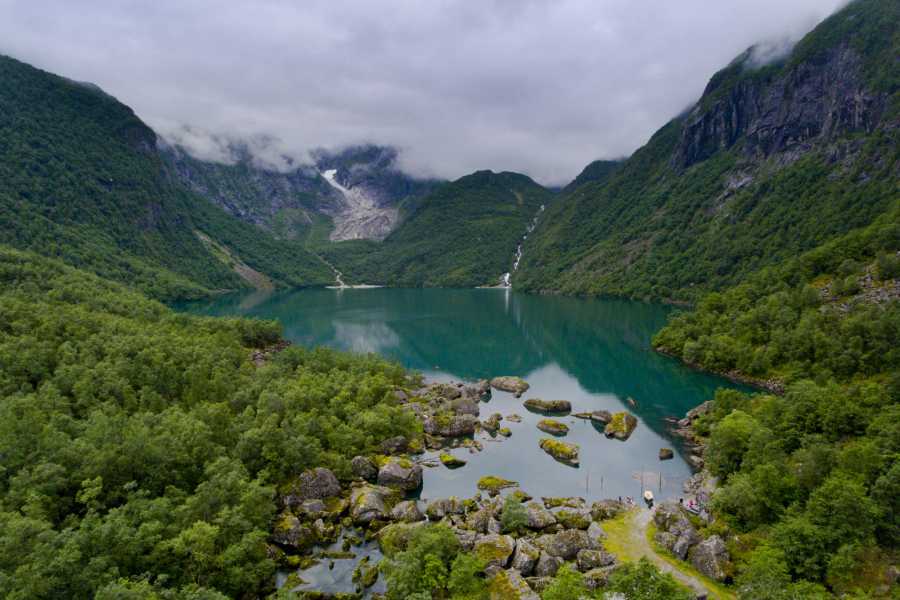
x=594 y=353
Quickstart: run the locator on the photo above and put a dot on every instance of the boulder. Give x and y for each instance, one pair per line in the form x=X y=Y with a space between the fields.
x=445 y=390
x=566 y=501
x=710 y=557
x=598 y=578
x=621 y=426
x=400 y=473
x=596 y=535
x=492 y=423
x=561 y=451
x=450 y=461
x=525 y=557
x=480 y=520
x=601 y=417
x=492 y=485
x=407 y=512
x=514 y=385
x=538 y=516
x=547 y=565
x=449 y=425
x=514 y=418
x=539 y=584
x=567 y=543
x=442 y=507
x=666 y=454
x=510 y=585
x=607 y=509
x=665 y=539
x=553 y=427
x=466 y=539
x=669 y=515
x=465 y=406
x=364 y=468
x=494 y=549
x=573 y=518
x=290 y=531
x=548 y=407
x=685 y=541
x=592 y=559
x=370 y=502
x=504 y=431
x=394 y=445
x=316 y=483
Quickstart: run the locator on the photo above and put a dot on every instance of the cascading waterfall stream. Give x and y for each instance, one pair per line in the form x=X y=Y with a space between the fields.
x=506 y=278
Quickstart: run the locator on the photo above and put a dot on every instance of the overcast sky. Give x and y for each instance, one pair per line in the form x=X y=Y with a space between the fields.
x=533 y=86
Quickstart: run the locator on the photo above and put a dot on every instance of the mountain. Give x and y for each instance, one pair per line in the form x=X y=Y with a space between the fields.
x=773 y=160
x=81 y=180
x=463 y=234
x=599 y=170
x=355 y=193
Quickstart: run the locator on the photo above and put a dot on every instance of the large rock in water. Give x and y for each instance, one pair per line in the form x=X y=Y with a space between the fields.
x=400 y=473
x=561 y=451
x=621 y=426
x=514 y=385
x=710 y=557
x=318 y=483
x=548 y=407
x=370 y=502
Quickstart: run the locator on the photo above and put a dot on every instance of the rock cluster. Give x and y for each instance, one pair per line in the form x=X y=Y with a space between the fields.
x=676 y=534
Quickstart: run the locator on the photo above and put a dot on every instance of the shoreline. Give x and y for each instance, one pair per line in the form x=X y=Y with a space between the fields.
x=772 y=386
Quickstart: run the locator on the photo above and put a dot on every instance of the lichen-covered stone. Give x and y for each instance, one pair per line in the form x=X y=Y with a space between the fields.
x=621 y=426
x=561 y=451
x=290 y=531
x=492 y=423
x=596 y=535
x=494 y=549
x=548 y=407
x=447 y=424
x=514 y=385
x=407 y=512
x=597 y=578
x=588 y=559
x=394 y=445
x=400 y=473
x=553 y=427
x=504 y=431
x=442 y=507
x=525 y=557
x=607 y=509
x=573 y=518
x=547 y=565
x=601 y=417
x=710 y=557
x=509 y=585
x=666 y=454
x=315 y=483
x=538 y=516
x=364 y=468
x=567 y=501
x=370 y=502
x=567 y=543
x=665 y=539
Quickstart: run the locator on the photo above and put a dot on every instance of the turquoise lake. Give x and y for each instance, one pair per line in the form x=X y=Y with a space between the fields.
x=594 y=353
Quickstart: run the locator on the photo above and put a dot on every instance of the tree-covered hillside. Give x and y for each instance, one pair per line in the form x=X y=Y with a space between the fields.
x=80 y=179
x=140 y=449
x=463 y=234
x=772 y=161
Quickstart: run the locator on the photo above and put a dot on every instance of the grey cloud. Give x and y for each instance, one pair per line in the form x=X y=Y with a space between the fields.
x=535 y=86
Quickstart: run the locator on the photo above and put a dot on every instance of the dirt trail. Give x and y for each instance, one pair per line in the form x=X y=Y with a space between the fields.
x=631 y=544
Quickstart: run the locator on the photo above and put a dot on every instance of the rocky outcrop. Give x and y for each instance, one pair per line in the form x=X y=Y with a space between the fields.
x=553 y=427
x=811 y=102
x=621 y=426
x=561 y=451
x=370 y=502
x=450 y=425
x=400 y=473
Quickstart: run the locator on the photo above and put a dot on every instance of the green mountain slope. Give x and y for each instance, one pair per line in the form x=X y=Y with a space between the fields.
x=80 y=179
x=771 y=162
x=464 y=234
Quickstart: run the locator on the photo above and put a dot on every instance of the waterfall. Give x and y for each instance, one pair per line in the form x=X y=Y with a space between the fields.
x=506 y=278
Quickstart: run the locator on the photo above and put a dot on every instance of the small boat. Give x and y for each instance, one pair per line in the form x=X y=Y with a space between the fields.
x=648 y=498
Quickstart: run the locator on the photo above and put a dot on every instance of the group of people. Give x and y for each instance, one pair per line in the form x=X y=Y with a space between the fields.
x=692 y=504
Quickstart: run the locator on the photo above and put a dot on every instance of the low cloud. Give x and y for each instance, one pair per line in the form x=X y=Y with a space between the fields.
x=537 y=86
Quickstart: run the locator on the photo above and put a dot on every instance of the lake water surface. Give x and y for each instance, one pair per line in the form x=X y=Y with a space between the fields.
x=594 y=353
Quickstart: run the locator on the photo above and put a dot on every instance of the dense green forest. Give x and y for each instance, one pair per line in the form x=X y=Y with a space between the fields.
x=463 y=234
x=727 y=188
x=141 y=448
x=80 y=179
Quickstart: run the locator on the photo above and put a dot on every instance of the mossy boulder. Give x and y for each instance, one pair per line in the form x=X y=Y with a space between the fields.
x=371 y=502
x=568 y=501
x=588 y=559
x=364 y=468
x=365 y=574
x=607 y=509
x=711 y=558
x=448 y=424
x=492 y=484
x=492 y=423
x=290 y=531
x=407 y=512
x=573 y=518
x=510 y=585
x=442 y=507
x=666 y=454
x=525 y=557
x=451 y=462
x=567 y=543
x=548 y=407
x=553 y=427
x=514 y=385
x=538 y=516
x=494 y=549
x=504 y=431
x=547 y=565
x=561 y=451
x=621 y=426
x=400 y=473
x=318 y=483
x=601 y=417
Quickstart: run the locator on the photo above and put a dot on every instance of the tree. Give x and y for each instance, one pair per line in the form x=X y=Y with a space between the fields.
x=643 y=581
x=514 y=517
x=729 y=441
x=424 y=564
x=567 y=585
